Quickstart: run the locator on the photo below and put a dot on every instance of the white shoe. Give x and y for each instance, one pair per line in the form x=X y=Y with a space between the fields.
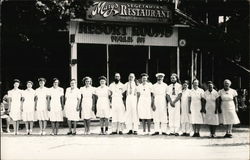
x=43 y=133
x=30 y=132
x=8 y=130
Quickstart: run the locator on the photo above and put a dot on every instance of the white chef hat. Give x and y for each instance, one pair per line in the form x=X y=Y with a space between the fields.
x=160 y=74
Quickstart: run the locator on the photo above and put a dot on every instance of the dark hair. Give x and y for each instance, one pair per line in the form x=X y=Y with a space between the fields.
x=55 y=79
x=144 y=74
x=186 y=81
x=72 y=80
x=195 y=80
x=102 y=78
x=176 y=76
x=29 y=82
x=16 y=80
x=209 y=82
x=41 y=79
x=85 y=78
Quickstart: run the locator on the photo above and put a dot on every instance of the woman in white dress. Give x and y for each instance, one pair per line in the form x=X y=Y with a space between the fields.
x=145 y=103
x=28 y=107
x=87 y=102
x=229 y=107
x=196 y=107
x=103 y=104
x=41 y=100
x=14 y=101
x=211 y=117
x=185 y=116
x=55 y=105
x=72 y=106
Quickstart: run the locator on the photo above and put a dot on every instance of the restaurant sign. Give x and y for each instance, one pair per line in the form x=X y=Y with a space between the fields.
x=91 y=33
x=129 y=12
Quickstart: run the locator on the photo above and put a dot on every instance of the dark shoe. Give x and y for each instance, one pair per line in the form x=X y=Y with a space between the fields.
x=176 y=134
x=198 y=134
x=113 y=133
x=135 y=132
x=120 y=132
x=194 y=135
x=228 y=135
x=171 y=134
x=69 y=133
x=184 y=134
x=156 y=133
x=74 y=133
x=163 y=133
x=130 y=132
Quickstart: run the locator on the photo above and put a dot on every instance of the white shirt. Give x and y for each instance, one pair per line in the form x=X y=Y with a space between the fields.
x=160 y=89
x=174 y=89
x=130 y=87
x=145 y=90
x=41 y=94
x=116 y=89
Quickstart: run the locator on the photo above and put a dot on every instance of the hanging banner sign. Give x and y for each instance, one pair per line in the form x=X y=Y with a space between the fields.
x=129 y=12
x=92 y=33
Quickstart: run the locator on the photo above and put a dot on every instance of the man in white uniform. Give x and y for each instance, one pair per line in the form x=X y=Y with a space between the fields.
x=160 y=112
x=174 y=94
x=131 y=115
x=117 y=103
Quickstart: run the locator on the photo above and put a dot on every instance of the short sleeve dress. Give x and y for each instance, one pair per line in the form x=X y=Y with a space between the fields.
x=28 y=113
x=72 y=96
x=41 y=108
x=55 y=113
x=15 y=106
x=195 y=107
x=144 y=103
x=87 y=102
x=210 y=117
x=103 y=103
x=229 y=115
x=185 y=116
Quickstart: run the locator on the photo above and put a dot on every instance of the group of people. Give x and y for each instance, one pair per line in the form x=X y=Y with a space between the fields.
x=173 y=108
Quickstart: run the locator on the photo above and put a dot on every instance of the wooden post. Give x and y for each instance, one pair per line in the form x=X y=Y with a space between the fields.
x=149 y=57
x=73 y=57
x=107 y=52
x=178 y=60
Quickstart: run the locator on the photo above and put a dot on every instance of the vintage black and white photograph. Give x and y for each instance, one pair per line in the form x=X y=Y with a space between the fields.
x=125 y=79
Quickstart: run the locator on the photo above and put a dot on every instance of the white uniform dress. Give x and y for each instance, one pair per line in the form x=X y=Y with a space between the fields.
x=103 y=103
x=55 y=113
x=229 y=115
x=41 y=108
x=28 y=113
x=195 y=106
x=118 y=108
x=210 y=117
x=72 y=96
x=131 y=114
x=185 y=116
x=160 y=114
x=174 y=112
x=87 y=102
x=144 y=103
x=15 y=110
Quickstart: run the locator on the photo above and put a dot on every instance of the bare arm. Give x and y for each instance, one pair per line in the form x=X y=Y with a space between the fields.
x=48 y=102
x=35 y=99
x=62 y=100
x=236 y=103
x=189 y=104
x=153 y=102
x=177 y=98
x=203 y=105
